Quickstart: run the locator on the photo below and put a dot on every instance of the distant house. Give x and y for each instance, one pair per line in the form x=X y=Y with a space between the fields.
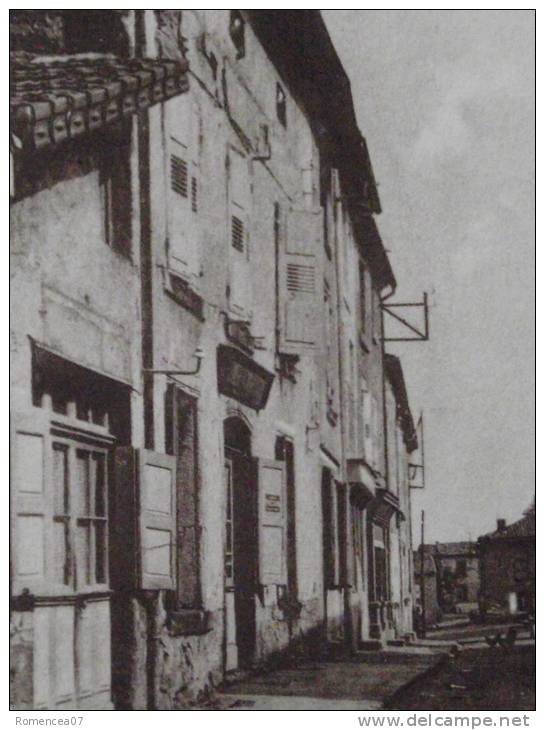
x=458 y=571
x=507 y=564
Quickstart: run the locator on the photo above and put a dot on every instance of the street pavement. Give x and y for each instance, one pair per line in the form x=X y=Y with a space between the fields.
x=367 y=681
x=362 y=682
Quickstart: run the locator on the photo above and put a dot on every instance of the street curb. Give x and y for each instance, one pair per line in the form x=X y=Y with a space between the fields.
x=390 y=701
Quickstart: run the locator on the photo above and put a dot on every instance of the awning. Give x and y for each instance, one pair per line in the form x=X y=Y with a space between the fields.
x=56 y=98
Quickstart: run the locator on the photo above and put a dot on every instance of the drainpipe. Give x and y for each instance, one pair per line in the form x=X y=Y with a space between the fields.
x=146 y=281
x=146 y=257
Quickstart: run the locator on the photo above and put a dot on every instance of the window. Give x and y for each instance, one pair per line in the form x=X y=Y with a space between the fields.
x=284 y=452
x=115 y=184
x=461 y=568
x=334 y=535
x=183 y=144
x=237 y=31
x=281 y=111
x=80 y=520
x=329 y=532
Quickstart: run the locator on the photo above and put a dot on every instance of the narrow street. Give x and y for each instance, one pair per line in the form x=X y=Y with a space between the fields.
x=453 y=668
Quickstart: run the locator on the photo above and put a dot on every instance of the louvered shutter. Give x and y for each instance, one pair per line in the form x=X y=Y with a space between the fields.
x=272 y=522
x=31 y=497
x=144 y=529
x=298 y=281
x=238 y=232
x=182 y=166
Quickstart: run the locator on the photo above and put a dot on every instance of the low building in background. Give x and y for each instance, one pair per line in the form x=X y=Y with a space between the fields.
x=507 y=564
x=458 y=571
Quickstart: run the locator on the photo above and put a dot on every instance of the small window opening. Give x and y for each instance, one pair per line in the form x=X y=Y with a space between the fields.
x=237 y=32
x=115 y=180
x=281 y=105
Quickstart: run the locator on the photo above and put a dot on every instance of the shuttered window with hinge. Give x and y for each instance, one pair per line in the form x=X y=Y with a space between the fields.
x=298 y=240
x=239 y=211
x=183 y=143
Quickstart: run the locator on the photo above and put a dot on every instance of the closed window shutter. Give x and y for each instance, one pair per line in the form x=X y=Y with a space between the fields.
x=31 y=523
x=298 y=281
x=157 y=520
x=183 y=188
x=238 y=232
x=143 y=534
x=272 y=522
x=368 y=426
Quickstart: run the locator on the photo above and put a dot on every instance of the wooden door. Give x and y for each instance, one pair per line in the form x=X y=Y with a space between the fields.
x=245 y=555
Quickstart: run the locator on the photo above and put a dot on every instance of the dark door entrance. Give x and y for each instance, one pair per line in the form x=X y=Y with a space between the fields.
x=241 y=548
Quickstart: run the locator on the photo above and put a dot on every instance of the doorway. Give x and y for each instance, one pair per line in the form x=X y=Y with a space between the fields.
x=241 y=545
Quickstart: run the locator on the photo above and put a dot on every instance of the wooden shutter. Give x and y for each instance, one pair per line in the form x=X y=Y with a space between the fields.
x=298 y=281
x=182 y=166
x=272 y=522
x=238 y=231
x=143 y=529
x=157 y=520
x=181 y=441
x=31 y=499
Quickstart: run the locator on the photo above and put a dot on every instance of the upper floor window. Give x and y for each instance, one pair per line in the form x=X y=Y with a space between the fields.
x=281 y=110
x=115 y=184
x=237 y=31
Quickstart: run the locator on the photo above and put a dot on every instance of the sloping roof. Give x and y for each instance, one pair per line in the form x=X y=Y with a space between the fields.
x=523 y=528
x=454 y=548
x=55 y=98
x=394 y=372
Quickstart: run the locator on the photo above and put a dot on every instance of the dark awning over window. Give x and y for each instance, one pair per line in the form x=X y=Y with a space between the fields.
x=56 y=98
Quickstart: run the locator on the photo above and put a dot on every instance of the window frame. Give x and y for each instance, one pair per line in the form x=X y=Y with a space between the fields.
x=115 y=180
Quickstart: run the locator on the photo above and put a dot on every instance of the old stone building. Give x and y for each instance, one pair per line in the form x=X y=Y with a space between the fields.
x=210 y=444
x=507 y=566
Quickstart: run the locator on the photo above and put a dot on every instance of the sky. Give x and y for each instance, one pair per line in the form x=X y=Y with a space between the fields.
x=445 y=99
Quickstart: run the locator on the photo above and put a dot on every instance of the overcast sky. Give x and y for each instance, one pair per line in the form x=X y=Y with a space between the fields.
x=445 y=99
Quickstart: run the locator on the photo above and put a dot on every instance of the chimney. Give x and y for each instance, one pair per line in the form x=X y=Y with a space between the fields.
x=501 y=525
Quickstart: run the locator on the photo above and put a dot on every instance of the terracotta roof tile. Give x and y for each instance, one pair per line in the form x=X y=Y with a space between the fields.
x=54 y=98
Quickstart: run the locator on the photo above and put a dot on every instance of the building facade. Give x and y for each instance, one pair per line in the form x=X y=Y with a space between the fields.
x=507 y=565
x=458 y=569
x=210 y=444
